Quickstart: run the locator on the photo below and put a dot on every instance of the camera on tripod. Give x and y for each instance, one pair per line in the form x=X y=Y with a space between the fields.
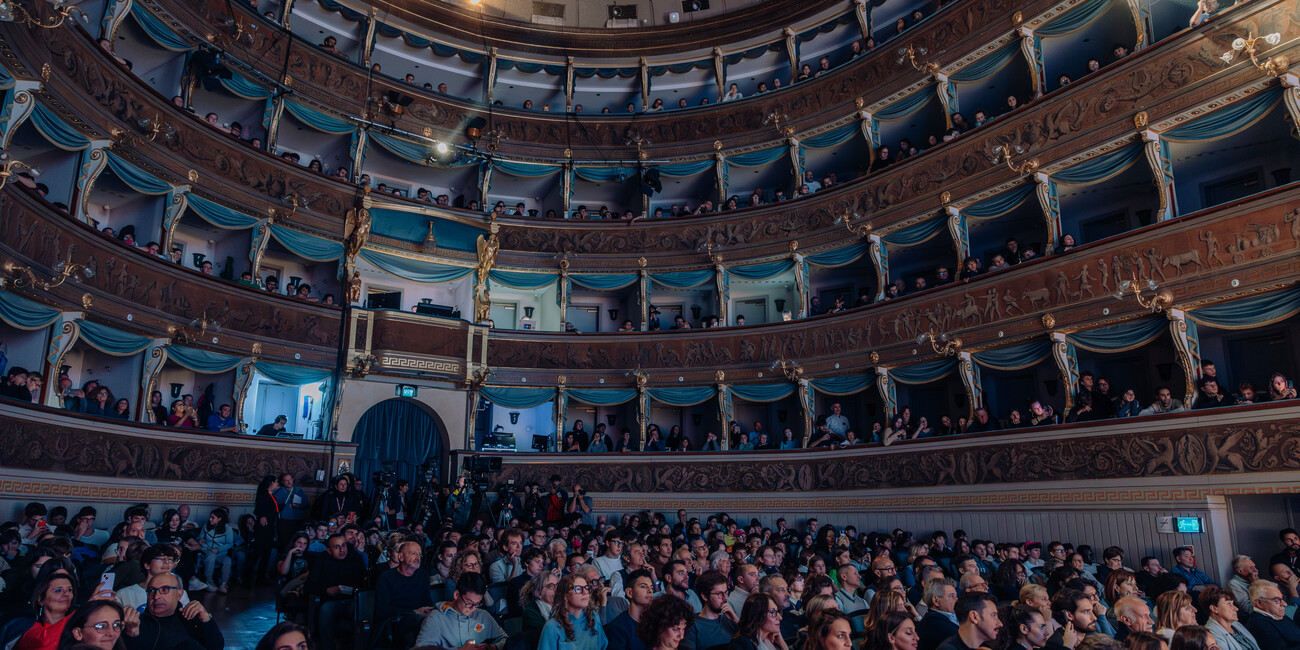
x=383 y=478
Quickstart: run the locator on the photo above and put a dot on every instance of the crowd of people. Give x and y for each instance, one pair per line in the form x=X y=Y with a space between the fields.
x=523 y=572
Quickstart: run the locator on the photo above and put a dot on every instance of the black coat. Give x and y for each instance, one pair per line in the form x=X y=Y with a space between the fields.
x=1274 y=635
x=934 y=629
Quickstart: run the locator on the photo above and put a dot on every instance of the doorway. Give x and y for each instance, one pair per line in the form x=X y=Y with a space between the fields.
x=274 y=400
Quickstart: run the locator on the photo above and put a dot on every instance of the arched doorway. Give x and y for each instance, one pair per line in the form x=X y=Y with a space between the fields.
x=400 y=435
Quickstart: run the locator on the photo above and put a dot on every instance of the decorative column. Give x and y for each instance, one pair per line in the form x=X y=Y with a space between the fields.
x=879 y=258
x=1067 y=364
x=359 y=142
x=947 y=97
x=1032 y=49
x=792 y=51
x=21 y=105
x=808 y=407
x=960 y=234
x=888 y=391
x=368 y=43
x=472 y=399
x=63 y=334
x=1162 y=169
x=154 y=359
x=566 y=186
x=243 y=379
x=801 y=282
x=1141 y=21
x=271 y=120
x=1291 y=97
x=114 y=14
x=485 y=170
x=723 y=281
x=1187 y=346
x=261 y=237
x=720 y=172
x=568 y=83
x=491 y=82
x=796 y=160
x=177 y=200
x=642 y=408
x=1051 y=204
x=719 y=73
x=862 y=10
x=560 y=411
x=645 y=84
x=871 y=131
x=643 y=295
x=93 y=161
x=726 y=410
x=970 y=378
x=562 y=293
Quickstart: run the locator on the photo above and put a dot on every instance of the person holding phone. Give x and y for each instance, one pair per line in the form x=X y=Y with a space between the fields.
x=334 y=577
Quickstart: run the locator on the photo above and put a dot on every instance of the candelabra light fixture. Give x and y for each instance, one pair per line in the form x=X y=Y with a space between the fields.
x=18 y=276
x=1252 y=46
x=12 y=11
x=775 y=118
x=639 y=141
x=909 y=55
x=155 y=126
x=1158 y=301
x=9 y=166
x=1002 y=155
x=948 y=346
x=197 y=329
x=791 y=369
x=847 y=220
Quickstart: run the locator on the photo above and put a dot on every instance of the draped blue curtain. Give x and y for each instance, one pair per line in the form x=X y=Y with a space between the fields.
x=905 y=106
x=1248 y=313
x=683 y=279
x=532 y=67
x=604 y=281
x=523 y=169
x=219 y=215
x=202 y=361
x=112 y=341
x=521 y=280
x=762 y=271
x=25 y=314
x=136 y=178
x=763 y=392
x=833 y=137
x=1122 y=337
x=413 y=269
x=56 y=130
x=683 y=396
x=1000 y=204
x=758 y=158
x=924 y=372
x=396 y=434
x=1014 y=357
x=989 y=65
x=844 y=384
x=344 y=10
x=603 y=174
x=158 y=31
x=1076 y=18
x=514 y=397
x=602 y=396
x=1229 y=120
x=416 y=152
x=242 y=87
x=921 y=232
x=292 y=375
x=314 y=248
x=318 y=120
x=679 y=170
x=1100 y=169
x=838 y=257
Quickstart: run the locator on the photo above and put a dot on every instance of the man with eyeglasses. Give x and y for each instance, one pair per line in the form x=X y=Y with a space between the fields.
x=716 y=623
x=611 y=562
x=165 y=625
x=462 y=622
x=334 y=577
x=156 y=561
x=883 y=572
x=1269 y=624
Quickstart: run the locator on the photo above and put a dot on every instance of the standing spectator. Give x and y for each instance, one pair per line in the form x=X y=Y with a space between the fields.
x=266 y=510
x=293 y=509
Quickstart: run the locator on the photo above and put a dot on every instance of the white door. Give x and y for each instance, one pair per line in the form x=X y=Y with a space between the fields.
x=584 y=317
x=503 y=315
x=754 y=310
x=274 y=400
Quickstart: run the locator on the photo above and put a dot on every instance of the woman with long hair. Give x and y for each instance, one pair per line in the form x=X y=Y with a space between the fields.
x=1008 y=580
x=100 y=624
x=286 y=636
x=830 y=629
x=1036 y=597
x=535 y=599
x=895 y=631
x=1120 y=583
x=182 y=416
x=884 y=602
x=52 y=605
x=1174 y=610
x=1023 y=628
x=1193 y=637
x=216 y=540
x=122 y=410
x=575 y=618
x=760 y=625
x=267 y=512
x=664 y=623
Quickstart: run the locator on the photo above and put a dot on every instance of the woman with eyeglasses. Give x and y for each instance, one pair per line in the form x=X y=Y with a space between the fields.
x=52 y=602
x=101 y=624
x=575 y=618
x=536 y=597
x=760 y=625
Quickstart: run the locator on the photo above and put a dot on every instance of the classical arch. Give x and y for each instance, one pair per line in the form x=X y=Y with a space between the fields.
x=403 y=431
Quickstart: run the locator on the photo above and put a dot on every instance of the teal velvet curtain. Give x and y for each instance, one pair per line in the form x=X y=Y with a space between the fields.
x=764 y=271
x=1100 y=169
x=112 y=341
x=602 y=396
x=136 y=178
x=240 y=86
x=844 y=384
x=683 y=279
x=906 y=106
x=396 y=431
x=24 y=314
x=838 y=257
x=314 y=248
x=1122 y=337
x=680 y=170
x=1248 y=313
x=1000 y=204
x=833 y=137
x=521 y=280
x=683 y=396
x=604 y=281
x=517 y=398
x=1227 y=121
x=202 y=361
x=603 y=174
x=219 y=215
x=318 y=120
x=989 y=65
x=525 y=170
x=1077 y=18
x=413 y=269
x=758 y=158
x=1014 y=357
x=924 y=372
x=415 y=152
x=917 y=234
x=292 y=375
x=763 y=392
x=56 y=130
x=158 y=31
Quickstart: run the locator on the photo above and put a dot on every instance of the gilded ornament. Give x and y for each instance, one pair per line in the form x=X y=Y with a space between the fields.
x=794 y=245
x=945 y=198
x=640 y=261
x=1049 y=321
x=45 y=72
x=87 y=300
x=193 y=176
x=720 y=376
x=1017 y=18
x=257 y=348
x=717 y=145
x=561 y=380
x=859 y=103
x=875 y=357
x=1140 y=120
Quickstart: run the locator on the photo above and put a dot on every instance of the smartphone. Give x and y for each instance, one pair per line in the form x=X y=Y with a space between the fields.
x=346 y=590
x=106 y=582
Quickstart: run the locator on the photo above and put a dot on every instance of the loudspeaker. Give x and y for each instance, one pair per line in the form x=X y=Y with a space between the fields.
x=694 y=5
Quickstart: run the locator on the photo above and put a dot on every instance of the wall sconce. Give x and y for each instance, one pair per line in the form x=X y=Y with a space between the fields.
x=610 y=418
x=8 y=168
x=514 y=417
x=780 y=304
x=910 y=53
x=791 y=369
x=860 y=229
x=1158 y=302
x=176 y=390
x=613 y=314
x=941 y=343
x=782 y=415
x=430 y=241
x=695 y=312
x=774 y=118
x=697 y=418
x=155 y=126
x=1002 y=154
x=11 y=11
x=528 y=312
x=1274 y=67
x=22 y=276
